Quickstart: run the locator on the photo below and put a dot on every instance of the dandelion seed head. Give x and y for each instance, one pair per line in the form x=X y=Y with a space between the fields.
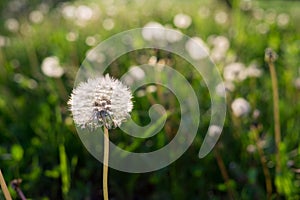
x=234 y=72
x=221 y=17
x=4 y=41
x=96 y=95
x=51 y=67
x=246 y=5
x=91 y=41
x=182 y=20
x=270 y=55
x=84 y=13
x=270 y=17
x=68 y=11
x=108 y=24
x=204 y=12
x=251 y=148
x=253 y=71
x=258 y=13
x=214 y=130
x=297 y=83
x=197 y=48
x=262 y=28
x=12 y=25
x=153 y=31
x=36 y=16
x=72 y=36
x=240 y=107
x=173 y=35
x=283 y=20
x=220 y=46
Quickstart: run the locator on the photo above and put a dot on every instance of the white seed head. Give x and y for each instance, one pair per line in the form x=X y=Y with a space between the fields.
x=235 y=72
x=182 y=20
x=100 y=101
x=240 y=107
x=51 y=67
x=197 y=48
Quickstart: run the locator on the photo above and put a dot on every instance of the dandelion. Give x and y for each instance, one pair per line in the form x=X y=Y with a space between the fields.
x=4 y=41
x=173 y=35
x=100 y=102
x=246 y=5
x=204 y=12
x=182 y=21
x=36 y=16
x=221 y=17
x=51 y=67
x=297 y=83
x=91 y=41
x=220 y=46
x=108 y=24
x=134 y=73
x=283 y=20
x=251 y=148
x=111 y=10
x=234 y=72
x=270 y=58
x=258 y=13
x=240 y=107
x=156 y=32
x=94 y=56
x=153 y=31
x=81 y=14
x=253 y=71
x=214 y=131
x=262 y=28
x=84 y=13
x=224 y=87
x=12 y=25
x=270 y=17
x=196 y=48
x=68 y=11
x=72 y=36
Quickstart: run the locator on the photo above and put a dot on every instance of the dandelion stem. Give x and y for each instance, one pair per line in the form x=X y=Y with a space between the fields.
x=105 y=163
x=270 y=58
x=263 y=161
x=224 y=173
x=4 y=187
x=16 y=186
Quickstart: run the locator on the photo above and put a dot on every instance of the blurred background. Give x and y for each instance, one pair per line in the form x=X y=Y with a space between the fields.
x=42 y=44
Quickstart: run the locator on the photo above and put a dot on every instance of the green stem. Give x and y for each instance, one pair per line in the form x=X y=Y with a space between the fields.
x=105 y=163
x=263 y=161
x=271 y=57
x=224 y=173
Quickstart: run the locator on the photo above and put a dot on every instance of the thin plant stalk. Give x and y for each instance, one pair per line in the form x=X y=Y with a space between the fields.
x=4 y=187
x=270 y=58
x=224 y=173
x=105 y=163
x=263 y=160
x=16 y=186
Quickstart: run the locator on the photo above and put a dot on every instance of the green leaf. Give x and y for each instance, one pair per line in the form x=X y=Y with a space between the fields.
x=17 y=152
x=65 y=176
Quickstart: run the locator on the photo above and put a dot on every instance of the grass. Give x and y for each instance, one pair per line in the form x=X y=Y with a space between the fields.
x=39 y=142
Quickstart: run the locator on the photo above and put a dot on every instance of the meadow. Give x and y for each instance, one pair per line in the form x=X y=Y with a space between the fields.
x=42 y=46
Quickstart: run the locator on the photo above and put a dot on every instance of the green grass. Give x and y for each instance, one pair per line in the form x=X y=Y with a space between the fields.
x=39 y=142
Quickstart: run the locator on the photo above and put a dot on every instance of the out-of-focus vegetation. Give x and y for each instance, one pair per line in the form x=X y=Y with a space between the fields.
x=42 y=44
